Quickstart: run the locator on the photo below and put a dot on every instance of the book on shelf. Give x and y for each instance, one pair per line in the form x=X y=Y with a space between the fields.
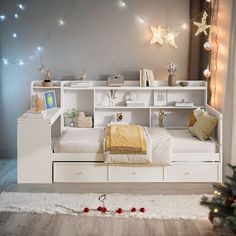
x=184 y=104
x=146 y=78
x=34 y=114
x=130 y=103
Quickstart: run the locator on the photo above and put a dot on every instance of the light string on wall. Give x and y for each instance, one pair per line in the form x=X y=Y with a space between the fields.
x=38 y=51
x=163 y=35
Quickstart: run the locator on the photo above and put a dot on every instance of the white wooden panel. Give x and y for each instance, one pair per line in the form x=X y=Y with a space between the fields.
x=191 y=173
x=79 y=172
x=135 y=174
x=34 y=157
x=195 y=157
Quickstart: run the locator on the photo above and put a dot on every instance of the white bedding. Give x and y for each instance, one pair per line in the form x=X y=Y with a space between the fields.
x=80 y=141
x=159 y=150
x=184 y=142
x=131 y=158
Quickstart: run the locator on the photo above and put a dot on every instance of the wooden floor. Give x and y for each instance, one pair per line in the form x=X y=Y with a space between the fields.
x=43 y=224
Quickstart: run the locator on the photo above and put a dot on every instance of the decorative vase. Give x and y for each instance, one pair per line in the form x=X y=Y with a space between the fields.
x=172 y=80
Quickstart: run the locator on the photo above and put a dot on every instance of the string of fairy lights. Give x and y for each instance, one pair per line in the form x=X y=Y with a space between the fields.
x=162 y=35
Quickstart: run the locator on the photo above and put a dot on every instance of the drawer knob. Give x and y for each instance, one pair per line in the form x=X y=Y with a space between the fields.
x=81 y=173
x=134 y=173
x=187 y=172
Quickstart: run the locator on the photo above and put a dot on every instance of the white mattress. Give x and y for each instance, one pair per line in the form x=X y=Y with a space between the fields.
x=184 y=142
x=80 y=141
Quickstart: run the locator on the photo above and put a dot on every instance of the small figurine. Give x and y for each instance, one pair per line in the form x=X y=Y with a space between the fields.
x=161 y=117
x=46 y=74
x=172 y=78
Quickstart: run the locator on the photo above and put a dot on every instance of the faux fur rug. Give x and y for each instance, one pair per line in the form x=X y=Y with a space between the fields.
x=156 y=206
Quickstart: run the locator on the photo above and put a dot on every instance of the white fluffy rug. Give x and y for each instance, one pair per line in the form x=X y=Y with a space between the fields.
x=156 y=206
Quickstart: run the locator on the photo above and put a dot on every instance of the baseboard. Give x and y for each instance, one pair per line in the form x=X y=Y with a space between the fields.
x=8 y=155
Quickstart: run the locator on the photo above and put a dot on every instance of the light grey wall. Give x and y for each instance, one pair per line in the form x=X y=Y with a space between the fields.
x=99 y=37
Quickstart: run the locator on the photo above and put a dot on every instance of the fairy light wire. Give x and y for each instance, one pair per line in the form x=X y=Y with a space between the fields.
x=67 y=14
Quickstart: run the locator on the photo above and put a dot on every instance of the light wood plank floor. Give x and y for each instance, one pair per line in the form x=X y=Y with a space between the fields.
x=43 y=224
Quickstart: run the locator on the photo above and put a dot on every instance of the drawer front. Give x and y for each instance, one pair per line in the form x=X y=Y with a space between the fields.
x=135 y=174
x=192 y=173
x=79 y=172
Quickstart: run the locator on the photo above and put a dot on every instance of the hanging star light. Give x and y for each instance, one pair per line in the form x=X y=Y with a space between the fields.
x=202 y=26
x=170 y=38
x=157 y=35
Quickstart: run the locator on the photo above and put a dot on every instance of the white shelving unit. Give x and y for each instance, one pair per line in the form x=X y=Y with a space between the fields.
x=37 y=163
x=93 y=101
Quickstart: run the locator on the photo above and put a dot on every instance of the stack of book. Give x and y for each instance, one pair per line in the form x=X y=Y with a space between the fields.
x=34 y=114
x=146 y=77
x=130 y=103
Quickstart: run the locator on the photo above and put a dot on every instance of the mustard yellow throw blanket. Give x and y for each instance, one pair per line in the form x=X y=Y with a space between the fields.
x=126 y=139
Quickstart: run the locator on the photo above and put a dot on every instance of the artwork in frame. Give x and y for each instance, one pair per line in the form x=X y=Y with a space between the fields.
x=50 y=99
x=160 y=98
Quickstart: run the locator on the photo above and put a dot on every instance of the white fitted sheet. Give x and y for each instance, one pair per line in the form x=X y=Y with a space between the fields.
x=184 y=142
x=79 y=140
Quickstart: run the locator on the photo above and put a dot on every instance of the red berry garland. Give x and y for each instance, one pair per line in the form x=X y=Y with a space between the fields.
x=142 y=209
x=99 y=208
x=86 y=210
x=119 y=210
x=133 y=209
x=104 y=210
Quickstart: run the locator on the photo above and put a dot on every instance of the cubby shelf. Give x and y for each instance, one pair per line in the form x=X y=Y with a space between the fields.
x=94 y=101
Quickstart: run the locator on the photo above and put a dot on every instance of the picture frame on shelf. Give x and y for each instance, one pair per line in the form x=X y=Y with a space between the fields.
x=160 y=98
x=50 y=99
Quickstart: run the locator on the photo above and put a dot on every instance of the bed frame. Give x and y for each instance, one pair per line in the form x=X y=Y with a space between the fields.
x=38 y=164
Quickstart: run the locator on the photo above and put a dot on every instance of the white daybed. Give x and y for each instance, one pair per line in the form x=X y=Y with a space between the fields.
x=192 y=160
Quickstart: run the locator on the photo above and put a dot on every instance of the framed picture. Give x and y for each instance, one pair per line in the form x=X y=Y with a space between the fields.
x=160 y=98
x=50 y=99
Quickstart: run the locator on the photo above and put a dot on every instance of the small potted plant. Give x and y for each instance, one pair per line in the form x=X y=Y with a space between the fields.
x=71 y=114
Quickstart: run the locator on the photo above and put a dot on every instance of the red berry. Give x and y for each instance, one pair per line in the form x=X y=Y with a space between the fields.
x=119 y=210
x=100 y=208
x=104 y=209
x=133 y=209
x=86 y=210
x=142 y=209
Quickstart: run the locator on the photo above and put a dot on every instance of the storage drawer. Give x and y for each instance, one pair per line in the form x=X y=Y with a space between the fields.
x=135 y=174
x=192 y=173
x=79 y=172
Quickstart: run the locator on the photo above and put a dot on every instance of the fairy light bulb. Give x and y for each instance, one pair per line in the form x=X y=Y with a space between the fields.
x=61 y=22
x=215 y=192
x=184 y=26
x=14 y=35
x=207 y=72
x=141 y=20
x=39 y=49
x=22 y=7
x=21 y=63
x=16 y=16
x=122 y=3
x=215 y=210
x=2 y=17
x=208 y=0
x=207 y=45
x=5 y=61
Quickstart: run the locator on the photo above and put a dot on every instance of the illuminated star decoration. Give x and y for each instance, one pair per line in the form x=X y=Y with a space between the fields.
x=202 y=26
x=170 y=38
x=157 y=36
